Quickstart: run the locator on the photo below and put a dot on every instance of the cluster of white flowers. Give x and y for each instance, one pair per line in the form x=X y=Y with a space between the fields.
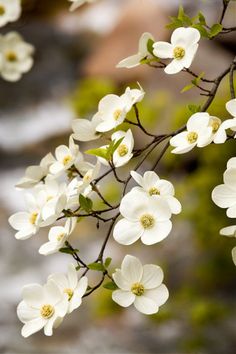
x=182 y=49
x=15 y=54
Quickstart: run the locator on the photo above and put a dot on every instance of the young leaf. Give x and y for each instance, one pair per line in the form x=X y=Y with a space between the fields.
x=101 y=152
x=107 y=262
x=112 y=148
x=193 y=108
x=201 y=18
x=150 y=45
x=215 y=29
x=110 y=286
x=187 y=88
x=68 y=250
x=96 y=266
x=85 y=203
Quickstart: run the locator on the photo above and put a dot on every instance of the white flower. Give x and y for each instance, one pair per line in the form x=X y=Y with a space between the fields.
x=34 y=174
x=183 y=47
x=231 y=232
x=231 y=123
x=57 y=236
x=10 y=11
x=112 y=109
x=65 y=157
x=198 y=133
x=153 y=186
x=91 y=173
x=71 y=286
x=78 y=3
x=42 y=307
x=15 y=56
x=27 y=223
x=140 y=285
x=76 y=187
x=85 y=130
x=123 y=153
x=143 y=53
x=224 y=195
x=144 y=217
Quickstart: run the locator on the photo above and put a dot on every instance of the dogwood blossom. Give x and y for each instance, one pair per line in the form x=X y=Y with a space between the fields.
x=112 y=109
x=183 y=47
x=153 y=186
x=57 y=236
x=224 y=195
x=143 y=53
x=123 y=153
x=198 y=133
x=34 y=174
x=42 y=307
x=230 y=231
x=78 y=3
x=85 y=130
x=73 y=287
x=139 y=285
x=15 y=55
x=76 y=187
x=231 y=123
x=143 y=217
x=10 y=11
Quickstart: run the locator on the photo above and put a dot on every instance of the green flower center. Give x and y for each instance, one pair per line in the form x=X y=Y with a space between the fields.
x=215 y=125
x=2 y=10
x=192 y=137
x=66 y=160
x=11 y=56
x=154 y=191
x=122 y=150
x=147 y=221
x=179 y=53
x=60 y=236
x=69 y=292
x=137 y=289
x=47 y=311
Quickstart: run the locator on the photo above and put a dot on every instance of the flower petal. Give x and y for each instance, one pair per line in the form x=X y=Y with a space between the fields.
x=121 y=281
x=132 y=269
x=223 y=196
x=33 y=326
x=145 y=305
x=158 y=295
x=163 y=50
x=157 y=233
x=131 y=61
x=33 y=295
x=174 y=67
x=152 y=276
x=188 y=36
x=231 y=107
x=229 y=231
x=123 y=298
x=127 y=232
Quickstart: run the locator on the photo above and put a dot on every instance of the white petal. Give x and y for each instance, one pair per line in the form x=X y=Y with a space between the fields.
x=198 y=122
x=123 y=298
x=230 y=178
x=143 y=41
x=121 y=281
x=32 y=327
x=49 y=248
x=137 y=177
x=152 y=276
x=145 y=305
x=132 y=205
x=26 y=313
x=60 y=279
x=234 y=255
x=158 y=295
x=231 y=211
x=52 y=292
x=231 y=107
x=229 y=231
x=132 y=269
x=82 y=286
x=231 y=163
x=184 y=35
x=174 y=67
x=19 y=220
x=190 y=54
x=130 y=62
x=163 y=50
x=157 y=233
x=33 y=295
x=72 y=276
x=174 y=204
x=223 y=196
x=127 y=232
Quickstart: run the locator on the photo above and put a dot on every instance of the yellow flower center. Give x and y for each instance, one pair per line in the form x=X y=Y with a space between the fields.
x=11 y=56
x=192 y=137
x=117 y=114
x=147 y=221
x=137 y=289
x=122 y=150
x=67 y=159
x=179 y=53
x=69 y=292
x=2 y=10
x=33 y=218
x=215 y=124
x=154 y=191
x=47 y=311
x=60 y=236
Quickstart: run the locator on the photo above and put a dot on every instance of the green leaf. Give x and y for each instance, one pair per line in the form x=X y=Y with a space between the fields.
x=112 y=148
x=107 y=262
x=110 y=286
x=68 y=250
x=101 y=152
x=77 y=267
x=201 y=18
x=187 y=88
x=150 y=45
x=201 y=29
x=197 y=80
x=193 y=108
x=85 y=203
x=96 y=266
x=215 y=29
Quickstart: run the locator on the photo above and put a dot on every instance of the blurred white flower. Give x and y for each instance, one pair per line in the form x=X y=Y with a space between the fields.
x=112 y=109
x=230 y=231
x=85 y=130
x=78 y=3
x=198 y=133
x=57 y=236
x=231 y=123
x=15 y=56
x=76 y=187
x=123 y=153
x=65 y=157
x=70 y=285
x=144 y=217
x=10 y=11
x=224 y=195
x=143 y=53
x=42 y=307
x=153 y=186
x=140 y=285
x=34 y=174
x=183 y=47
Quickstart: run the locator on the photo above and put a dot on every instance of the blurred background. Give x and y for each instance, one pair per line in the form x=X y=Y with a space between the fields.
x=75 y=60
